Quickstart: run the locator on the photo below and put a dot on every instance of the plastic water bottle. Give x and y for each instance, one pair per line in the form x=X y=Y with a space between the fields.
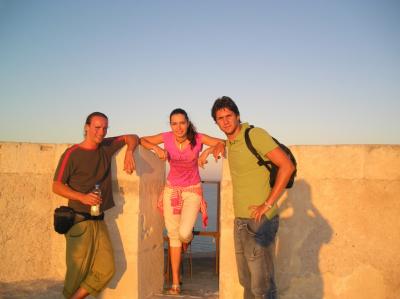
x=95 y=210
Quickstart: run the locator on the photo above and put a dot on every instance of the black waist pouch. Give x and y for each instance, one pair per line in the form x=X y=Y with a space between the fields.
x=64 y=218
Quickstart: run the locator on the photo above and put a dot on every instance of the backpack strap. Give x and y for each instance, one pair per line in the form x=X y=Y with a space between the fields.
x=250 y=146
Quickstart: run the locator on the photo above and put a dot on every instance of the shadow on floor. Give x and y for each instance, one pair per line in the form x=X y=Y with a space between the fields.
x=202 y=284
x=204 y=281
x=38 y=289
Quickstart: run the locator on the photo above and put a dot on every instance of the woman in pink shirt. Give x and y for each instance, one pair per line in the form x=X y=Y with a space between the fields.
x=182 y=196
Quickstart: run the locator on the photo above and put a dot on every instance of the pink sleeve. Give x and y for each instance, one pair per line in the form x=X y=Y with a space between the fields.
x=168 y=142
x=199 y=136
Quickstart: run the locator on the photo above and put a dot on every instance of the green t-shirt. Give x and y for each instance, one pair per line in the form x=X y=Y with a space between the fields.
x=250 y=181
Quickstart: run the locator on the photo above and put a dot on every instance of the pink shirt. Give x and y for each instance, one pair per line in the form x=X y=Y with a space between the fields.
x=184 y=170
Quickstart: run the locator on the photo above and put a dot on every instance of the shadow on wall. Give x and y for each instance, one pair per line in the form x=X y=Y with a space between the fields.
x=112 y=215
x=149 y=238
x=115 y=235
x=302 y=233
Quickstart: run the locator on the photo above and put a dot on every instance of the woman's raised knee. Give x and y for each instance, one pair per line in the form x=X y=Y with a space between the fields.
x=185 y=235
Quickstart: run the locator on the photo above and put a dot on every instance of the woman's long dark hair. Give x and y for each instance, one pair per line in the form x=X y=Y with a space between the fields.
x=191 y=131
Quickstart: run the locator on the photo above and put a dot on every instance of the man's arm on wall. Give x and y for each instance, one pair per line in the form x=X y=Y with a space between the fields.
x=131 y=142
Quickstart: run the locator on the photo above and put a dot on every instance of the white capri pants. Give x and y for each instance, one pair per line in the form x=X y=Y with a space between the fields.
x=180 y=226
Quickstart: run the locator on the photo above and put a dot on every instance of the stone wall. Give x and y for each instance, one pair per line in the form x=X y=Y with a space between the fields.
x=339 y=228
x=30 y=250
x=338 y=235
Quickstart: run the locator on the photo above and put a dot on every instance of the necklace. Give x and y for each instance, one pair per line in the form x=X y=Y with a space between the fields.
x=181 y=143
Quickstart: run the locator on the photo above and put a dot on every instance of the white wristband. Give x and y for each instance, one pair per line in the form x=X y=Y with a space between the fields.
x=268 y=205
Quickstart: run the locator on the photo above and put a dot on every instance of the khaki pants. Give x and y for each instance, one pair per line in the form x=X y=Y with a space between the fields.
x=180 y=226
x=90 y=258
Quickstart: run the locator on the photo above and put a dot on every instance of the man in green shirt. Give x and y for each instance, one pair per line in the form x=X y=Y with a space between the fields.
x=256 y=218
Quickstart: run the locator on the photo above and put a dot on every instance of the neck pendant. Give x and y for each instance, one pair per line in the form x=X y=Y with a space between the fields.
x=181 y=143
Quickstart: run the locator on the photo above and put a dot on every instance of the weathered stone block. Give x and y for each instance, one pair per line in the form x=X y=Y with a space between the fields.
x=383 y=162
x=323 y=162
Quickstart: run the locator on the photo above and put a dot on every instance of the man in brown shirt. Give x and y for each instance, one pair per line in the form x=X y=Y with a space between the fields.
x=89 y=254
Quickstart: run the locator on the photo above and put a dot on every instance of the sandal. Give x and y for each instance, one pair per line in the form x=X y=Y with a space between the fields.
x=174 y=290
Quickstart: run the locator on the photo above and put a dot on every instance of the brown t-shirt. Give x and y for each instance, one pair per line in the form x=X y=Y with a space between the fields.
x=81 y=169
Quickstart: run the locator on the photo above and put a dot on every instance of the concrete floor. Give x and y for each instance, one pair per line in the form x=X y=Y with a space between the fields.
x=202 y=284
x=38 y=289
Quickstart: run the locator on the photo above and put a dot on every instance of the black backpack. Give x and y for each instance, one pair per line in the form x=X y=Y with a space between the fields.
x=272 y=168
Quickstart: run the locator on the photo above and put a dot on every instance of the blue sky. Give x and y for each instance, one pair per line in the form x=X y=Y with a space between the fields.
x=310 y=72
